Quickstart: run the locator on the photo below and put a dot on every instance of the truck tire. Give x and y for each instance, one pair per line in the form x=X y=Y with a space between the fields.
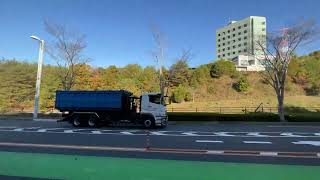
x=75 y=121
x=93 y=121
x=148 y=123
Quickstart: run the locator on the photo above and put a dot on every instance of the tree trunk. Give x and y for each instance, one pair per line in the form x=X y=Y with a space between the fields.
x=280 y=108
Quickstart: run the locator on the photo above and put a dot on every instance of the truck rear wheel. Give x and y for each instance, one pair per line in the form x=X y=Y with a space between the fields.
x=93 y=121
x=76 y=121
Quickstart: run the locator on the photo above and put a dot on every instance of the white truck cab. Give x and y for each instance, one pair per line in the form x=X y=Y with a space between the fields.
x=153 y=104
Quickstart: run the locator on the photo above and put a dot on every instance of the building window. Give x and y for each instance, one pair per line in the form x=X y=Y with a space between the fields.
x=245 y=43
x=223 y=44
x=228 y=42
x=218 y=45
x=245 y=25
x=218 y=56
x=239 y=27
x=239 y=45
x=263 y=29
x=233 y=29
x=233 y=52
x=233 y=46
x=223 y=49
x=239 y=39
x=224 y=33
x=228 y=48
x=239 y=51
x=239 y=33
x=223 y=55
x=218 y=40
x=219 y=34
x=218 y=50
x=245 y=50
x=228 y=37
x=234 y=35
x=245 y=37
x=245 y=31
x=263 y=23
x=234 y=41
x=228 y=31
x=228 y=54
x=223 y=38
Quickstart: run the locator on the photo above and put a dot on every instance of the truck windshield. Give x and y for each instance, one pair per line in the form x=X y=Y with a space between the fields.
x=156 y=99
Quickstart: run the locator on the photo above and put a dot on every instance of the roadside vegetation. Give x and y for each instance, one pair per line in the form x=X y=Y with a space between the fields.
x=209 y=85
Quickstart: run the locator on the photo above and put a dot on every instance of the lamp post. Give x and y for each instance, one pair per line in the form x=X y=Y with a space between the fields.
x=39 y=72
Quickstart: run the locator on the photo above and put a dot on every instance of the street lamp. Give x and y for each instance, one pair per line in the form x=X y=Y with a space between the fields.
x=38 y=82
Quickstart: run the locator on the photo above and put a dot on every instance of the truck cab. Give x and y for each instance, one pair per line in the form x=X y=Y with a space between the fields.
x=153 y=106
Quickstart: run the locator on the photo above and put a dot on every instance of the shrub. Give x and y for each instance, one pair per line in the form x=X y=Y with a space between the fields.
x=188 y=96
x=222 y=67
x=179 y=94
x=314 y=90
x=242 y=85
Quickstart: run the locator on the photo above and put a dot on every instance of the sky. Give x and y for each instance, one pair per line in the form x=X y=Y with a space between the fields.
x=118 y=31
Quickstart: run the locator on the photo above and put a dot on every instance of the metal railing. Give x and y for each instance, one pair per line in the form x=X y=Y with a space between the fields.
x=241 y=110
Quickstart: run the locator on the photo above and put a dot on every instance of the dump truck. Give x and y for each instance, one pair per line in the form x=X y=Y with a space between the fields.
x=97 y=108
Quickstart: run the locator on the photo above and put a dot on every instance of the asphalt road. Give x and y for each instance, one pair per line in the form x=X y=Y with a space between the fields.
x=252 y=143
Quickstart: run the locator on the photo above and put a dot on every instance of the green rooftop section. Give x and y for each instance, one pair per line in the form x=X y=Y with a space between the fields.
x=91 y=167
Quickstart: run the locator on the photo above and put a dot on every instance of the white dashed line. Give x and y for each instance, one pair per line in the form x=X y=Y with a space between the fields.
x=223 y=134
x=18 y=129
x=257 y=142
x=208 y=141
x=126 y=133
x=96 y=132
x=190 y=134
x=158 y=133
x=268 y=153
x=214 y=152
x=256 y=134
x=290 y=135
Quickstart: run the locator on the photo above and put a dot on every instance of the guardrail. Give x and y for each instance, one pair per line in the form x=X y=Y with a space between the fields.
x=242 y=110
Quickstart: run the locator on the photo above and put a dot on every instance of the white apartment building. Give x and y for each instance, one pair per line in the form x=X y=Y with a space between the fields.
x=238 y=40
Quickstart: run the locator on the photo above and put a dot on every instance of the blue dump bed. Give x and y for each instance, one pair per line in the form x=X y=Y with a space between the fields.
x=92 y=100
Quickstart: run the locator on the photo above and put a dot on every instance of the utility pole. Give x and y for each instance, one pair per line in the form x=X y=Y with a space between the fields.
x=39 y=72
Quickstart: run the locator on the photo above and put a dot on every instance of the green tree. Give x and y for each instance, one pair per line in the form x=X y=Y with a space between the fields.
x=179 y=73
x=222 y=67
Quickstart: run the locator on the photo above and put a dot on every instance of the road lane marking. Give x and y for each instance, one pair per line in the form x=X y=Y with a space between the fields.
x=164 y=133
x=257 y=142
x=69 y=131
x=257 y=134
x=313 y=155
x=214 y=152
x=96 y=132
x=290 y=135
x=190 y=134
x=158 y=133
x=208 y=141
x=223 y=134
x=126 y=133
x=50 y=129
x=268 y=153
x=312 y=143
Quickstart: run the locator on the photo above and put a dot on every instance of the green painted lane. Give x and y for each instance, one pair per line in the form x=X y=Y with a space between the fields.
x=58 y=166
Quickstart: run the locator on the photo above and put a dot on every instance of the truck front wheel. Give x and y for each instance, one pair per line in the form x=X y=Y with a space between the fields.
x=148 y=123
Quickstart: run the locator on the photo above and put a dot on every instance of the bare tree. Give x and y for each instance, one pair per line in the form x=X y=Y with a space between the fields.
x=66 y=48
x=159 y=53
x=276 y=52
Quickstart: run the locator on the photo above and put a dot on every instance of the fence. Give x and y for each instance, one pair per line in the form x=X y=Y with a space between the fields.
x=242 y=110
